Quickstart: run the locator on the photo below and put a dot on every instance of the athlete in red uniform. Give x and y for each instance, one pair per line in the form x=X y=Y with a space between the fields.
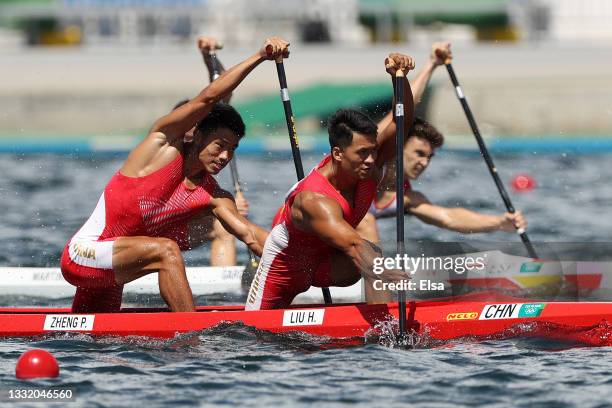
x=163 y=200
x=313 y=241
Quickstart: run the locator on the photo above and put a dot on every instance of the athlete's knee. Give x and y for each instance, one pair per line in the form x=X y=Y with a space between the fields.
x=168 y=250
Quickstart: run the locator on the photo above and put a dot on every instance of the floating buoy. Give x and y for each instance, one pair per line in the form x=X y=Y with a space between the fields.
x=36 y=363
x=523 y=183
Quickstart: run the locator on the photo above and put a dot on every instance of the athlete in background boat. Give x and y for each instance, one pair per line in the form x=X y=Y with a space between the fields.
x=162 y=199
x=222 y=243
x=419 y=147
x=314 y=241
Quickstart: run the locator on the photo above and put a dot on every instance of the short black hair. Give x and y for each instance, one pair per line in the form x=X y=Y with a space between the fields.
x=222 y=115
x=424 y=130
x=344 y=122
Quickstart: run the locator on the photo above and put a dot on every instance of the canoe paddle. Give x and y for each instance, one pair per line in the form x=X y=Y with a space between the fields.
x=251 y=267
x=216 y=71
x=399 y=186
x=487 y=157
x=295 y=150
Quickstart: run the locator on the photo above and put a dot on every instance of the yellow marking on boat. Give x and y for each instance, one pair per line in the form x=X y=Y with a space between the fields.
x=462 y=316
x=535 y=281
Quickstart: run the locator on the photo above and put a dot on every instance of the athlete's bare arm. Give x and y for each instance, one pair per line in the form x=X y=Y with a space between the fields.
x=177 y=122
x=440 y=51
x=168 y=131
x=225 y=210
x=386 y=137
x=320 y=215
x=460 y=219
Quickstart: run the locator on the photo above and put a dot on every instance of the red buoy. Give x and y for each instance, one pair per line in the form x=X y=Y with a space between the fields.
x=523 y=183
x=36 y=363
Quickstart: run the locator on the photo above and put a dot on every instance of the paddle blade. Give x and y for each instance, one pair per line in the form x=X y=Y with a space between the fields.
x=249 y=272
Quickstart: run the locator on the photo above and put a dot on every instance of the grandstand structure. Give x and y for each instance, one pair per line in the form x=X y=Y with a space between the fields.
x=245 y=22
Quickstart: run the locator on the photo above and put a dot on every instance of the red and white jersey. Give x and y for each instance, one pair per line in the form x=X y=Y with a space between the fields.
x=155 y=205
x=291 y=257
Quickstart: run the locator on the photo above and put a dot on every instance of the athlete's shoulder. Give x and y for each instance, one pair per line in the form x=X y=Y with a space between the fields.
x=316 y=204
x=311 y=208
x=149 y=156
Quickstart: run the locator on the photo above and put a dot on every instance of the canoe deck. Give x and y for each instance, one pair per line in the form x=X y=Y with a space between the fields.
x=475 y=316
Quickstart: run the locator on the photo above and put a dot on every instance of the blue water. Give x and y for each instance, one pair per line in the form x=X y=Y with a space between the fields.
x=238 y=366
x=45 y=198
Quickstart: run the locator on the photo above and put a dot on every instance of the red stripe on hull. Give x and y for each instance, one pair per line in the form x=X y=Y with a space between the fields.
x=587 y=323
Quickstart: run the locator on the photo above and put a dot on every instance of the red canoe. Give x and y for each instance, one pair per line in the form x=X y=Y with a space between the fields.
x=476 y=316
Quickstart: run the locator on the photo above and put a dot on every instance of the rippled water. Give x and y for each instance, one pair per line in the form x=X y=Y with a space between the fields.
x=45 y=198
x=238 y=366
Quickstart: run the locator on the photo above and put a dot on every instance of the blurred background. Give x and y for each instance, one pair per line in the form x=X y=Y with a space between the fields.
x=84 y=79
x=96 y=73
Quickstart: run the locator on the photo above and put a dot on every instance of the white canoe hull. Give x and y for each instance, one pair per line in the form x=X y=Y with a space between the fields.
x=49 y=283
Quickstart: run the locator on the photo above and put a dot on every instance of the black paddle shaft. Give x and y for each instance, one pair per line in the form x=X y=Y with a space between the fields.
x=234 y=172
x=295 y=150
x=487 y=157
x=216 y=70
x=399 y=188
x=238 y=189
